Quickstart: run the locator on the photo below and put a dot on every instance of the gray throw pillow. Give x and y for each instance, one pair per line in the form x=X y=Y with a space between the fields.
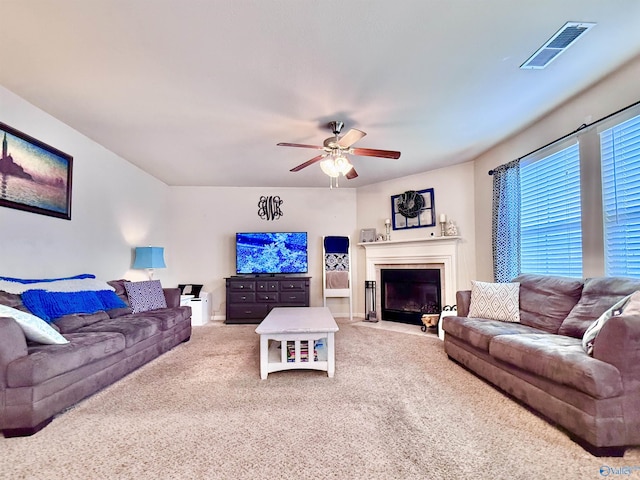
x=592 y=331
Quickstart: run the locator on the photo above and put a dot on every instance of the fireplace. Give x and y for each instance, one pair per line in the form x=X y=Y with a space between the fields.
x=439 y=253
x=407 y=294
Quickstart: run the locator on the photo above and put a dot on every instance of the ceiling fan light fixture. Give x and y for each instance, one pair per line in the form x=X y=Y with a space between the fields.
x=328 y=166
x=333 y=166
x=343 y=165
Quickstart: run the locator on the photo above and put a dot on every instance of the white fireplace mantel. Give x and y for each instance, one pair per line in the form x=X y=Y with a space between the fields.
x=440 y=251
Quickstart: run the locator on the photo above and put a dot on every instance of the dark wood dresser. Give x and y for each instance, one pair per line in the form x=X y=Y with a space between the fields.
x=249 y=299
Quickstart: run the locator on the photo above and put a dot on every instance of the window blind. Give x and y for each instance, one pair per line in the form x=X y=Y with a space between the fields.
x=551 y=227
x=620 y=154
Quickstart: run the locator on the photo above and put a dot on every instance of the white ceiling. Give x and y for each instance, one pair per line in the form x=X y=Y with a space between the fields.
x=199 y=92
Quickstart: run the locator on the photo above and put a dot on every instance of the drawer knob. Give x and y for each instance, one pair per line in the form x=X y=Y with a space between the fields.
x=241 y=286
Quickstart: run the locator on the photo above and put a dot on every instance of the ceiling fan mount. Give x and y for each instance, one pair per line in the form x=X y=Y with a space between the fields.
x=331 y=143
x=336 y=148
x=336 y=127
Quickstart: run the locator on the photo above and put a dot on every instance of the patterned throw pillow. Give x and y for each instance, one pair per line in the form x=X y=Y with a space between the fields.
x=495 y=301
x=145 y=296
x=34 y=328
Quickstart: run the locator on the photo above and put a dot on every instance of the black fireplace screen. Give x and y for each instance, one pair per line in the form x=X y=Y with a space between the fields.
x=407 y=294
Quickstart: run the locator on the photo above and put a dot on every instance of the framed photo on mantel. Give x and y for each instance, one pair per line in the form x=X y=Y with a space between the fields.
x=367 y=235
x=413 y=209
x=34 y=176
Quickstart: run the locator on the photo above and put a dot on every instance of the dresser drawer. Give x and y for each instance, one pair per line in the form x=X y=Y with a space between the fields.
x=266 y=297
x=293 y=297
x=242 y=297
x=248 y=285
x=267 y=285
x=292 y=286
x=247 y=311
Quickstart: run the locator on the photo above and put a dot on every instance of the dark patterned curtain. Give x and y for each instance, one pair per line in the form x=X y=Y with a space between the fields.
x=506 y=221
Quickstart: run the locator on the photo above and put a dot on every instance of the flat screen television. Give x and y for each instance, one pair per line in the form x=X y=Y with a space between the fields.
x=271 y=253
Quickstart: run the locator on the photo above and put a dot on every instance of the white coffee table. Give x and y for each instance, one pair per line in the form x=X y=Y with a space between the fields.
x=294 y=330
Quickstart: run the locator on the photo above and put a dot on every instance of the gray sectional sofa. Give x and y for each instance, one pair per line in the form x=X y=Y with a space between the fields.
x=39 y=381
x=541 y=362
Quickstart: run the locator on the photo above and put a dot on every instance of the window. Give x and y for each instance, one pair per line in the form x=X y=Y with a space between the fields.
x=550 y=214
x=620 y=156
x=579 y=203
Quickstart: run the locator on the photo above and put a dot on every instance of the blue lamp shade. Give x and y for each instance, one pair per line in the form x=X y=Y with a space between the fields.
x=149 y=257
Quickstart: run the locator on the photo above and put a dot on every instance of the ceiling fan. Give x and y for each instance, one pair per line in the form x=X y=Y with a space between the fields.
x=333 y=160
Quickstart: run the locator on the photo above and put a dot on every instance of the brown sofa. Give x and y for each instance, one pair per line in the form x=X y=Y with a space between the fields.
x=541 y=361
x=39 y=381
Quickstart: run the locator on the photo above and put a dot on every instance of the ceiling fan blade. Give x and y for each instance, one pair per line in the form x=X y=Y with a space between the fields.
x=351 y=174
x=307 y=163
x=351 y=137
x=371 y=152
x=301 y=145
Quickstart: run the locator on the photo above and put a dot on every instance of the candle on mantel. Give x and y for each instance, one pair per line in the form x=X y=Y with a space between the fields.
x=387 y=226
x=443 y=218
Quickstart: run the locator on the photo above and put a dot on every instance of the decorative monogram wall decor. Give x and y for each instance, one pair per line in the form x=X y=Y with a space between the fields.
x=269 y=207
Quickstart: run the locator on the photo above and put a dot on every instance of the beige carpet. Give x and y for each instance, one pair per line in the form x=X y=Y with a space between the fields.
x=397 y=408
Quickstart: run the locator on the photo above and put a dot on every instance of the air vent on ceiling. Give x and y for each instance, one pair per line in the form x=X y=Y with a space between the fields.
x=557 y=44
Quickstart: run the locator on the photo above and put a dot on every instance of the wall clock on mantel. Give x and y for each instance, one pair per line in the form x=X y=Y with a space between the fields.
x=413 y=209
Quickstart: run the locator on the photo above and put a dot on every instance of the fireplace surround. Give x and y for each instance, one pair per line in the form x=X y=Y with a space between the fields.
x=433 y=253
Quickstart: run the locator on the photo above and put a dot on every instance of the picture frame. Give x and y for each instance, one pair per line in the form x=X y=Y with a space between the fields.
x=367 y=235
x=34 y=177
x=413 y=209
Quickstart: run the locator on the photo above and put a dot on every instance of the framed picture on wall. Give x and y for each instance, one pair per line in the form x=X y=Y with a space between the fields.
x=34 y=176
x=413 y=209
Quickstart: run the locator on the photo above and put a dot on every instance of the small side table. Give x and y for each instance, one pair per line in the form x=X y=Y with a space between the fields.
x=198 y=309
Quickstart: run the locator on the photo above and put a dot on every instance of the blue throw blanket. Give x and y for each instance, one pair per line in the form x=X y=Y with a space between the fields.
x=38 y=280
x=52 y=305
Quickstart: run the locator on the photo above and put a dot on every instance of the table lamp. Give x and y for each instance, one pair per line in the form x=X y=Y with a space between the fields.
x=149 y=258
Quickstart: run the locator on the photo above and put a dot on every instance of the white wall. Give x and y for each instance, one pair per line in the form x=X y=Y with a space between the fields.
x=453 y=195
x=610 y=95
x=115 y=206
x=204 y=221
